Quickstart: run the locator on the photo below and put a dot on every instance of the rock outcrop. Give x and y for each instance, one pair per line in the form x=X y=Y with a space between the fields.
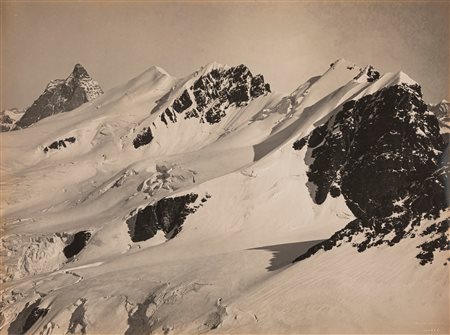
x=167 y=215
x=385 y=155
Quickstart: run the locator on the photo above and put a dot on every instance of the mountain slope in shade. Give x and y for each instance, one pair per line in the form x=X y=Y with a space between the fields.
x=62 y=95
x=195 y=229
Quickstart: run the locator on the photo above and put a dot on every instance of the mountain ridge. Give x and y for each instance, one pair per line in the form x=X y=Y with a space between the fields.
x=287 y=212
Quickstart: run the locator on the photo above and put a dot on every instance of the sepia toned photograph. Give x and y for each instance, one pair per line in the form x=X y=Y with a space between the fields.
x=224 y=167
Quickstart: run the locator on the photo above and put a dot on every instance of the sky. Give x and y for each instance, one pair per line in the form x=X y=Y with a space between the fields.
x=287 y=42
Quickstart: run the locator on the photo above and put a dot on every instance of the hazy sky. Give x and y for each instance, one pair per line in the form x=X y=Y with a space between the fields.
x=286 y=42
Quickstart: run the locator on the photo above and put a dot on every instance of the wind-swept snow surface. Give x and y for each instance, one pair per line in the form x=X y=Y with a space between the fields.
x=178 y=206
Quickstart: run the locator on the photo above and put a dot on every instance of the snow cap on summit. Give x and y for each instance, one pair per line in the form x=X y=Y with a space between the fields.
x=211 y=66
x=158 y=69
x=402 y=77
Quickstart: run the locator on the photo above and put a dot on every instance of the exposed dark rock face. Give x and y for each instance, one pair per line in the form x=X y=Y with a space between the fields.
x=438 y=241
x=369 y=73
x=168 y=215
x=6 y=119
x=145 y=137
x=377 y=232
x=213 y=93
x=376 y=149
x=384 y=154
x=372 y=74
x=78 y=322
x=62 y=96
x=79 y=241
x=299 y=144
x=182 y=103
x=5 y=128
x=27 y=318
x=56 y=145
x=35 y=315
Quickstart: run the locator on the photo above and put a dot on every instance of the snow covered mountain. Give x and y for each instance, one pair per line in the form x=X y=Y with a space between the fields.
x=62 y=95
x=9 y=117
x=211 y=204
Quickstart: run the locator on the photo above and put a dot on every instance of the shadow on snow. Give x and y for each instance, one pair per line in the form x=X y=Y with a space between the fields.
x=284 y=254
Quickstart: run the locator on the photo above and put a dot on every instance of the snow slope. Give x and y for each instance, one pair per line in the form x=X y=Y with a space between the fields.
x=191 y=225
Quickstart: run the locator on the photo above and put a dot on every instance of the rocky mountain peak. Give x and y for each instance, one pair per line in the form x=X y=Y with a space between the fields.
x=384 y=154
x=62 y=95
x=207 y=96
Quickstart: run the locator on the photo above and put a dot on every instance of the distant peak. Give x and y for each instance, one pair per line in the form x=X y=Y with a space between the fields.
x=59 y=96
x=157 y=69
